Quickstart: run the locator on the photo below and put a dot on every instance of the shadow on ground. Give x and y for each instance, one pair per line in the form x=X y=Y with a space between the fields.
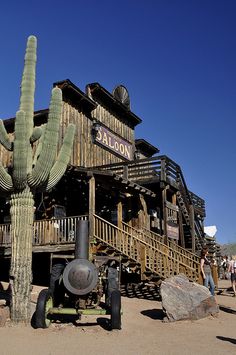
x=141 y=291
x=231 y=340
x=59 y=320
x=227 y=309
x=153 y=313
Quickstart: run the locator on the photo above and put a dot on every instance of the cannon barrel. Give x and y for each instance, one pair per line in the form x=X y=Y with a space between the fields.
x=80 y=275
x=82 y=240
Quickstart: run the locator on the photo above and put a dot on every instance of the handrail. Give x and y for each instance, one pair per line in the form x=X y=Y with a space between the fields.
x=138 y=232
x=154 y=236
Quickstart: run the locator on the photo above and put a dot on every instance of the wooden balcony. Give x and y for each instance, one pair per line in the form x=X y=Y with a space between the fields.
x=57 y=234
x=160 y=168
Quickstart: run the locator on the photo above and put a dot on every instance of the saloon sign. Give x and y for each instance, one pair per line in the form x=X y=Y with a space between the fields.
x=114 y=143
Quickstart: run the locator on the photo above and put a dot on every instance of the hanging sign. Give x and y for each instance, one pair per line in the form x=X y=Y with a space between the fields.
x=114 y=143
x=172 y=230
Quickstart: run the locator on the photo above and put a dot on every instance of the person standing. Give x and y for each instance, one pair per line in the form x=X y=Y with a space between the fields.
x=232 y=271
x=205 y=264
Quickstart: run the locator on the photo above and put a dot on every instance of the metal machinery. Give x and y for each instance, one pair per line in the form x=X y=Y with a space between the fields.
x=77 y=287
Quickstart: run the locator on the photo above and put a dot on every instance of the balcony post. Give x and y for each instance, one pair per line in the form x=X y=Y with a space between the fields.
x=163 y=170
x=91 y=206
x=125 y=172
x=191 y=208
x=119 y=214
x=164 y=214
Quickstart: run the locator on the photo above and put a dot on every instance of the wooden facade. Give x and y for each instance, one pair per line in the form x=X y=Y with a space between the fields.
x=119 y=184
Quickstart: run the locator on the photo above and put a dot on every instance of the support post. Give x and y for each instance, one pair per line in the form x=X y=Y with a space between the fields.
x=119 y=214
x=91 y=206
x=142 y=251
x=191 y=208
x=164 y=214
x=181 y=230
x=143 y=214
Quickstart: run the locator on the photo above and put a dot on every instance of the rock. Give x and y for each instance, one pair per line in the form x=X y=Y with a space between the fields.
x=4 y=315
x=182 y=299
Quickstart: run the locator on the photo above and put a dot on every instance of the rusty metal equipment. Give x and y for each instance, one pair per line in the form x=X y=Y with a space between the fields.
x=78 y=286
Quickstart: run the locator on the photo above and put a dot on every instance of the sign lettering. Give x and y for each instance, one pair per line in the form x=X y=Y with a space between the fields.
x=114 y=143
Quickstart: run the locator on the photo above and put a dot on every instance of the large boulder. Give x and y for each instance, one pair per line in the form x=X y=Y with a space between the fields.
x=182 y=299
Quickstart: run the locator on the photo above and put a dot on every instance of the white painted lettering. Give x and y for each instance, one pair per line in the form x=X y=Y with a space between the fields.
x=104 y=139
x=127 y=152
x=117 y=146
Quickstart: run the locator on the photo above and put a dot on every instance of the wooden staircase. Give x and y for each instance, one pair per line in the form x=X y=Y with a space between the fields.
x=164 y=170
x=144 y=252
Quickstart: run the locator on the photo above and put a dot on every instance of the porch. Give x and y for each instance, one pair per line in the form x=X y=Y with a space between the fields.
x=142 y=251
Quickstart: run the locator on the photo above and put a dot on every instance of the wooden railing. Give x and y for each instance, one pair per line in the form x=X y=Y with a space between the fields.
x=51 y=231
x=189 y=256
x=160 y=167
x=5 y=236
x=143 y=233
x=174 y=246
x=136 y=170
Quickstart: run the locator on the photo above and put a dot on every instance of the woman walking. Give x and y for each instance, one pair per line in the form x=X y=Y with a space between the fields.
x=206 y=271
x=232 y=270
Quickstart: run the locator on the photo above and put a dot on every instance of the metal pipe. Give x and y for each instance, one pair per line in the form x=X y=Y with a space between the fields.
x=73 y=311
x=82 y=240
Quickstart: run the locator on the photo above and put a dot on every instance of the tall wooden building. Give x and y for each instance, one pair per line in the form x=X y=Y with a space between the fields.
x=137 y=202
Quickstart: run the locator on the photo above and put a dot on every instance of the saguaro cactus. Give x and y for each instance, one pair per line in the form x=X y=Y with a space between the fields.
x=29 y=172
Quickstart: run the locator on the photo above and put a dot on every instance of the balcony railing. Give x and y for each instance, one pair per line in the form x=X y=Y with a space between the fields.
x=47 y=232
x=160 y=168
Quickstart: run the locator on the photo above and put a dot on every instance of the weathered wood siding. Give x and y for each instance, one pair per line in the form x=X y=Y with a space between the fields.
x=100 y=155
x=85 y=152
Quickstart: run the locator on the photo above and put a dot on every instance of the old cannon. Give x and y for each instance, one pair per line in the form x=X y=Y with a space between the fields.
x=77 y=287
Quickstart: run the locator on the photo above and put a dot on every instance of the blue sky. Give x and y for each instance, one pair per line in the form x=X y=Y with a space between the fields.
x=177 y=59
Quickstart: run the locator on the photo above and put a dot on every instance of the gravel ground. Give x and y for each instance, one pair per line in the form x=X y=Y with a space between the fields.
x=143 y=332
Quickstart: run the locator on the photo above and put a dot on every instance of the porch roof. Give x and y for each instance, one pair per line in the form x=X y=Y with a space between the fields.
x=111 y=179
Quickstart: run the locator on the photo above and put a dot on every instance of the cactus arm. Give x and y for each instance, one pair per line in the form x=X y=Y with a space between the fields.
x=19 y=174
x=27 y=91
x=44 y=163
x=4 y=138
x=6 y=184
x=37 y=132
x=63 y=159
x=28 y=83
x=39 y=146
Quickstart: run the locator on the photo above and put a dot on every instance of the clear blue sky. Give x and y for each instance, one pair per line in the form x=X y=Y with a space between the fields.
x=176 y=57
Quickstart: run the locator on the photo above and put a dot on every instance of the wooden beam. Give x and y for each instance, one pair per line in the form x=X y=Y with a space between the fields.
x=119 y=214
x=91 y=206
x=164 y=214
x=192 y=228
x=181 y=230
x=142 y=250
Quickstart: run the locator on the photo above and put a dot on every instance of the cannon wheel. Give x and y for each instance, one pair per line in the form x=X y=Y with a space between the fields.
x=44 y=303
x=116 y=310
x=56 y=286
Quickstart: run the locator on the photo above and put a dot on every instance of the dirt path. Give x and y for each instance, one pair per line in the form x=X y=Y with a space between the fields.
x=143 y=333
